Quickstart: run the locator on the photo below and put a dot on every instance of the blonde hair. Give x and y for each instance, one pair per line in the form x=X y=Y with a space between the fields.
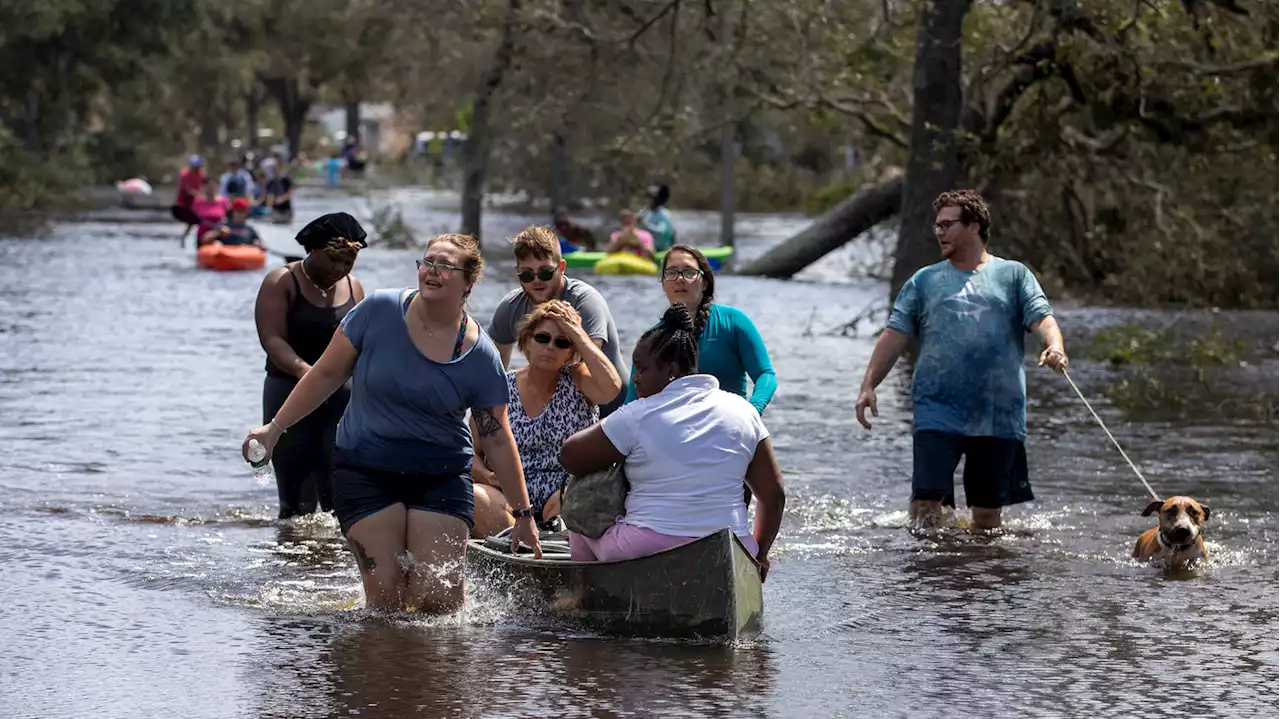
x=473 y=260
x=536 y=242
x=527 y=327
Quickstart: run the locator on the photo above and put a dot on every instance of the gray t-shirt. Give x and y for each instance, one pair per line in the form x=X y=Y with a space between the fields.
x=408 y=413
x=596 y=320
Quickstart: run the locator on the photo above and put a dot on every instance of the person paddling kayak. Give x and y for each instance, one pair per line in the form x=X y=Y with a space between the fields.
x=299 y=308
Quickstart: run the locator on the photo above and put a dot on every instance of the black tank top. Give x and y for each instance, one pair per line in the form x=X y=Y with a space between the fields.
x=310 y=327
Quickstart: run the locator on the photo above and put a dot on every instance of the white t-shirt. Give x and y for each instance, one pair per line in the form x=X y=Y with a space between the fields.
x=687 y=450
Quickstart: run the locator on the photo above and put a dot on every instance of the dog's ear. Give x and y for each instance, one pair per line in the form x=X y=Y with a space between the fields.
x=1205 y=508
x=1153 y=507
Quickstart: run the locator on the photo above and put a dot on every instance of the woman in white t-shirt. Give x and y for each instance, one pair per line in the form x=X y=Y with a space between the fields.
x=688 y=448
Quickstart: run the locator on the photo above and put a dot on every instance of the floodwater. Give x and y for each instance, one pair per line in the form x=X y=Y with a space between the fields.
x=146 y=575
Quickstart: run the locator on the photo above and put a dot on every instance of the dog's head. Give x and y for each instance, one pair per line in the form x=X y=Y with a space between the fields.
x=1181 y=518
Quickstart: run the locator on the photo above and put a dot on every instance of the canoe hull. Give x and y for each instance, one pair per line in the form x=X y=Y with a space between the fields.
x=709 y=588
x=230 y=258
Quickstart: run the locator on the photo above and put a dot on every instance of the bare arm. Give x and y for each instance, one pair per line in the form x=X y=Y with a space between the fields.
x=324 y=378
x=333 y=368
x=504 y=351
x=480 y=472
x=589 y=451
x=1055 y=353
x=886 y=353
x=270 y=314
x=357 y=289
x=764 y=477
x=596 y=377
x=494 y=436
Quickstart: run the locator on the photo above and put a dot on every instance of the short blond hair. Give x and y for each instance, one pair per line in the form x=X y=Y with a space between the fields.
x=527 y=327
x=536 y=242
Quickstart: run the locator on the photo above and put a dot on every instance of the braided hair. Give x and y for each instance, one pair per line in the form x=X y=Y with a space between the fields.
x=703 y=312
x=673 y=341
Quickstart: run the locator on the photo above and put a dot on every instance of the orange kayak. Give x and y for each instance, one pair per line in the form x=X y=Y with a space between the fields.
x=228 y=258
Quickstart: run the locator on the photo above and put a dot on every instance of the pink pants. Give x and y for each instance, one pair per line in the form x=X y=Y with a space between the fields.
x=627 y=541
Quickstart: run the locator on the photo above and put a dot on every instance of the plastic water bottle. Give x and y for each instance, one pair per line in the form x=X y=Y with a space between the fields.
x=258 y=460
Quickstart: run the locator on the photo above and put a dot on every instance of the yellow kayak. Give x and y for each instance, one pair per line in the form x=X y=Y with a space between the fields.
x=625 y=263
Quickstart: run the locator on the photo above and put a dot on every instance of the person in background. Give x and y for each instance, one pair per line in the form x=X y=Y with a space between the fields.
x=236 y=230
x=551 y=399
x=657 y=220
x=540 y=269
x=333 y=170
x=688 y=448
x=190 y=182
x=210 y=207
x=259 y=196
x=970 y=313
x=236 y=181
x=402 y=488
x=571 y=232
x=729 y=345
x=280 y=196
x=630 y=238
x=299 y=308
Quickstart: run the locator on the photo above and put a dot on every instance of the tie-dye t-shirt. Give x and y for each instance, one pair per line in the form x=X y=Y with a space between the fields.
x=969 y=378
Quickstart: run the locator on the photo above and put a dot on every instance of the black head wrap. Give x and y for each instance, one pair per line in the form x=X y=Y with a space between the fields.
x=336 y=229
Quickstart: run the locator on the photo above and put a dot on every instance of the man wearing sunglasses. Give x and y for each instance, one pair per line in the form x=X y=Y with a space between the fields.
x=540 y=270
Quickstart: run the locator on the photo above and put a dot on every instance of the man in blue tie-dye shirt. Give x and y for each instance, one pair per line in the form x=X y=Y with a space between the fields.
x=969 y=313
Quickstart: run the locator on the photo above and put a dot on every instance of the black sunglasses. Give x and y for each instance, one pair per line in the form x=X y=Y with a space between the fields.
x=561 y=342
x=543 y=273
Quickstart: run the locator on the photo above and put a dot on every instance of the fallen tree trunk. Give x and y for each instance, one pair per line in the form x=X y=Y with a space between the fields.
x=847 y=220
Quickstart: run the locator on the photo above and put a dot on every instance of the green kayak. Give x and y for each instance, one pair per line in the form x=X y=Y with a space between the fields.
x=583 y=259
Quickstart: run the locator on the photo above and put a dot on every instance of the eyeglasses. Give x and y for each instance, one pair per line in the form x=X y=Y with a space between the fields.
x=543 y=338
x=543 y=273
x=943 y=225
x=439 y=268
x=688 y=274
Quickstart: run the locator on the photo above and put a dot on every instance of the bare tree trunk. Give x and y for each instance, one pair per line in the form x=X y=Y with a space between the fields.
x=561 y=169
x=727 y=139
x=846 y=221
x=252 y=107
x=293 y=109
x=208 y=133
x=933 y=163
x=353 y=119
x=475 y=152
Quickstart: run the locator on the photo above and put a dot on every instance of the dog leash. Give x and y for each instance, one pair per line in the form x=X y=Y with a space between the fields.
x=1113 y=439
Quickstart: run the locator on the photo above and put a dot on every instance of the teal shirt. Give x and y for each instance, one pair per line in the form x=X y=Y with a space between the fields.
x=731 y=349
x=969 y=378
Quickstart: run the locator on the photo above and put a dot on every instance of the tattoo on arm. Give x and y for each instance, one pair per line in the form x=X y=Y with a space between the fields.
x=366 y=563
x=486 y=424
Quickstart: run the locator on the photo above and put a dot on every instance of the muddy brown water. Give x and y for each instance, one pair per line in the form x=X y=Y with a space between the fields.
x=146 y=576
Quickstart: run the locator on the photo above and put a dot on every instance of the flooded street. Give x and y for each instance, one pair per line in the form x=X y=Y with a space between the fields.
x=146 y=575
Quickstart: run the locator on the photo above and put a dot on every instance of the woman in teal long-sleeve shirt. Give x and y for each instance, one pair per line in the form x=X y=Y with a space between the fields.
x=729 y=346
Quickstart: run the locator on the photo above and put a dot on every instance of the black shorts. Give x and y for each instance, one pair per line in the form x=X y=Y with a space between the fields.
x=361 y=491
x=995 y=469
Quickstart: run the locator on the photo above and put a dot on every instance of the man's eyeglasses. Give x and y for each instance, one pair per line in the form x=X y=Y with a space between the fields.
x=944 y=225
x=543 y=273
x=439 y=268
x=543 y=338
x=688 y=274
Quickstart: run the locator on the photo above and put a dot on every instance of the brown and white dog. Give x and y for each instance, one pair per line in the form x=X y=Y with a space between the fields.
x=1178 y=540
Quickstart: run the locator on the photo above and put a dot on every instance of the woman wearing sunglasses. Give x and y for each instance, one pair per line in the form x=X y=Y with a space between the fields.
x=402 y=486
x=729 y=346
x=557 y=395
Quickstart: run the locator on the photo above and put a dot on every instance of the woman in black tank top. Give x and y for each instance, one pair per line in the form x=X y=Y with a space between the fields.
x=299 y=308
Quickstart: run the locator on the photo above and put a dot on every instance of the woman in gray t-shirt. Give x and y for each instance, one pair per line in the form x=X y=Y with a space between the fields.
x=402 y=486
